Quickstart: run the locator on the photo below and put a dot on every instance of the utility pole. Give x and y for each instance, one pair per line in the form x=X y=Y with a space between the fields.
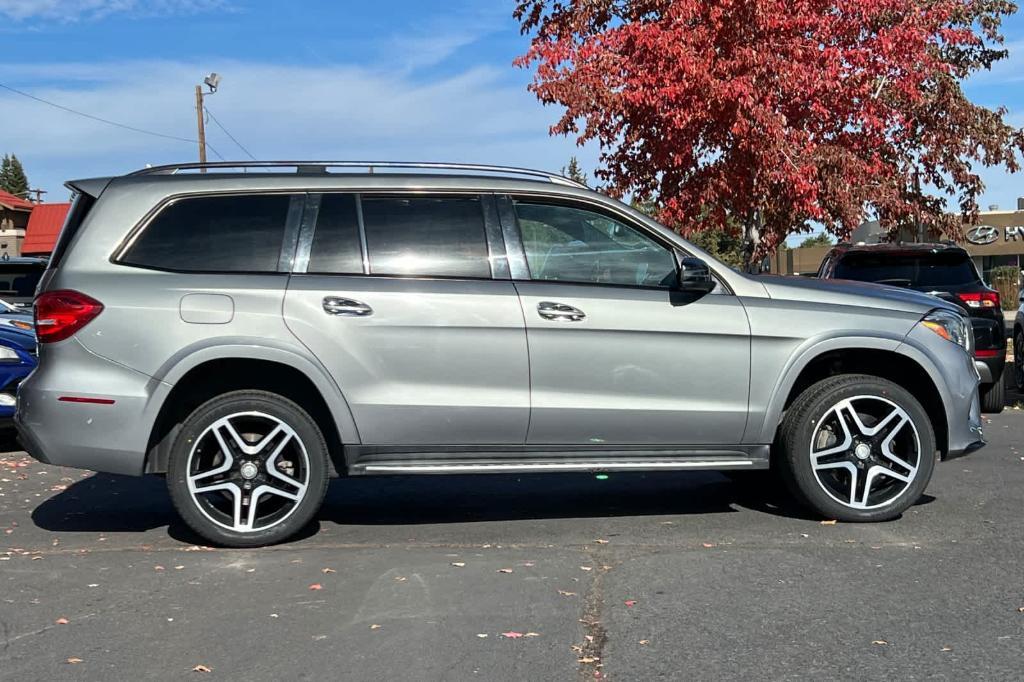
x=201 y=125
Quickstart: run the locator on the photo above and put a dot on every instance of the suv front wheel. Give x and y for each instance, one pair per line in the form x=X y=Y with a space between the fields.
x=857 y=448
x=248 y=468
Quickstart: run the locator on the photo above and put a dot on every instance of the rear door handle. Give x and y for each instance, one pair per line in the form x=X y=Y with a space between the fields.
x=346 y=307
x=561 y=312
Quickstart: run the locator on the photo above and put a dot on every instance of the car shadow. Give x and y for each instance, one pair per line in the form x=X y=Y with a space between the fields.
x=110 y=503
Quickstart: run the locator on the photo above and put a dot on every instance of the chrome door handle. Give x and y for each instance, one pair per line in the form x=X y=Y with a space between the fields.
x=346 y=307
x=561 y=312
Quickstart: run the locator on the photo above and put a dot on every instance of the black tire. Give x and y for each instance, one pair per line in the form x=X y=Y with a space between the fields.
x=260 y=407
x=815 y=405
x=993 y=396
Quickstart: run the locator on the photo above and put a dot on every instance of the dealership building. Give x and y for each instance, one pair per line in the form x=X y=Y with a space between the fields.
x=996 y=240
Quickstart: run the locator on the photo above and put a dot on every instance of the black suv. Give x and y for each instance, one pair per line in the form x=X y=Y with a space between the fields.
x=943 y=270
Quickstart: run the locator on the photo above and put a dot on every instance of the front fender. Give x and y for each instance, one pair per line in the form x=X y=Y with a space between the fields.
x=763 y=430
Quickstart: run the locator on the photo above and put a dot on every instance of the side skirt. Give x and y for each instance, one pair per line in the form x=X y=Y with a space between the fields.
x=376 y=460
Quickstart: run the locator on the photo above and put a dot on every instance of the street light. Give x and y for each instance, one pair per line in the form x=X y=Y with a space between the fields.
x=212 y=81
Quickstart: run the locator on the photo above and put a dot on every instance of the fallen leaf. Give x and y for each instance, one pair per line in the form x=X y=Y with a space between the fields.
x=375 y=626
x=566 y=594
x=708 y=545
x=644 y=642
x=504 y=570
x=158 y=568
x=829 y=522
x=586 y=568
x=880 y=642
x=589 y=659
x=458 y=564
x=61 y=621
x=511 y=635
x=202 y=669
x=328 y=570
x=400 y=578
x=73 y=660
x=630 y=602
x=316 y=586
x=532 y=634
x=601 y=542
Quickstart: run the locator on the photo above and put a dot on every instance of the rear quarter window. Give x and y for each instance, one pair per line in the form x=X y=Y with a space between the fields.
x=240 y=233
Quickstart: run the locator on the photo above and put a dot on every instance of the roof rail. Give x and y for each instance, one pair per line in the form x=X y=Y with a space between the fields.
x=314 y=167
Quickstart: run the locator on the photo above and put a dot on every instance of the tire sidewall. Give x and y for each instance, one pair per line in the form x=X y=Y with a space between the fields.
x=812 y=406
x=232 y=403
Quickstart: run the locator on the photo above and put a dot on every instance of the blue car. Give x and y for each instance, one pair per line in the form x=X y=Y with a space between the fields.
x=17 y=359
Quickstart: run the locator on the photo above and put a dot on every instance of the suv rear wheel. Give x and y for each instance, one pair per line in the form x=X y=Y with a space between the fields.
x=248 y=468
x=857 y=448
x=993 y=396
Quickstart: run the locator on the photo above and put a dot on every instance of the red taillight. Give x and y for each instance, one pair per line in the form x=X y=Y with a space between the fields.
x=986 y=353
x=984 y=299
x=59 y=314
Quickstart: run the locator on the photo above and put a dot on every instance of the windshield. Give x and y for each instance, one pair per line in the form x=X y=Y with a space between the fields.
x=917 y=270
x=19 y=280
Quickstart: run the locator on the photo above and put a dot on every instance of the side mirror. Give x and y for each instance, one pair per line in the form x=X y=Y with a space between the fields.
x=695 y=276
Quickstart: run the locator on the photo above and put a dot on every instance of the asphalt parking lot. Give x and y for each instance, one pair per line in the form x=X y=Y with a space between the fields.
x=674 y=576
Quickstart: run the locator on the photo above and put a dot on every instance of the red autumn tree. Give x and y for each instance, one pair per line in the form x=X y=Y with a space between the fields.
x=767 y=115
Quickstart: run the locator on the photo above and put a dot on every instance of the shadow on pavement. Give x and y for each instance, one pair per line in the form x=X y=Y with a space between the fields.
x=121 y=504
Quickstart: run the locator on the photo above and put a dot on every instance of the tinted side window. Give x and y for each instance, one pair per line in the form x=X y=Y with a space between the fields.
x=427 y=236
x=568 y=244
x=336 y=249
x=214 y=234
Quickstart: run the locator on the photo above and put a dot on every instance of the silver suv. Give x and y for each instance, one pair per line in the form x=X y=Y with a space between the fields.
x=250 y=330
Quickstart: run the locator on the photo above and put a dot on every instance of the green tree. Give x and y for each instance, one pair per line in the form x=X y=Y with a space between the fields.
x=821 y=239
x=574 y=171
x=12 y=176
x=724 y=244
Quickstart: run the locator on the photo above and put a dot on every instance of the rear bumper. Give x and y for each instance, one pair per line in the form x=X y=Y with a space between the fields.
x=100 y=437
x=991 y=369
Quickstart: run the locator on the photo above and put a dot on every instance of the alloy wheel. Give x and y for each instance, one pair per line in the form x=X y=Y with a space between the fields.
x=865 y=452
x=248 y=471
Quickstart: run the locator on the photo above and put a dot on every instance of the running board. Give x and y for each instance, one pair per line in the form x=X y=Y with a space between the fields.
x=756 y=459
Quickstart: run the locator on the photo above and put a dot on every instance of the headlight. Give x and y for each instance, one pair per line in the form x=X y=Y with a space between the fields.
x=950 y=326
x=8 y=355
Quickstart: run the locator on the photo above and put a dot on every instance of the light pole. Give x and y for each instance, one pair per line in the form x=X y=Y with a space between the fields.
x=211 y=81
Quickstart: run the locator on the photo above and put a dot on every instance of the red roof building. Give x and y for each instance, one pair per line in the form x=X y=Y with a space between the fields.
x=13 y=203
x=43 y=228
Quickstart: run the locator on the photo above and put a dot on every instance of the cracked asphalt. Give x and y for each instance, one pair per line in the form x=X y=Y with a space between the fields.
x=546 y=577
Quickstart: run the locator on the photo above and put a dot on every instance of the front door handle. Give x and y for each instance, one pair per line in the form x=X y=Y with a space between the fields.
x=561 y=312
x=346 y=307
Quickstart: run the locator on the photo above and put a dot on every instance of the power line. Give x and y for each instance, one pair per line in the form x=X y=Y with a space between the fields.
x=104 y=120
x=225 y=130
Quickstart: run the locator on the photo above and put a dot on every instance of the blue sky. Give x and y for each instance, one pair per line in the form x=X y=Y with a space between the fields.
x=389 y=79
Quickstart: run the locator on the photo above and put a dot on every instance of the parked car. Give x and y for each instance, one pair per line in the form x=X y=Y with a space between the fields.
x=251 y=333
x=18 y=279
x=13 y=316
x=943 y=270
x=17 y=359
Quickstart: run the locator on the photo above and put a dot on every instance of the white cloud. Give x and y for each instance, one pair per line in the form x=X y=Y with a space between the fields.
x=277 y=112
x=74 y=10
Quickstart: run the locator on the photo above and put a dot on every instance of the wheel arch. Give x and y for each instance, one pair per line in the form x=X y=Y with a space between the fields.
x=211 y=371
x=883 y=358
